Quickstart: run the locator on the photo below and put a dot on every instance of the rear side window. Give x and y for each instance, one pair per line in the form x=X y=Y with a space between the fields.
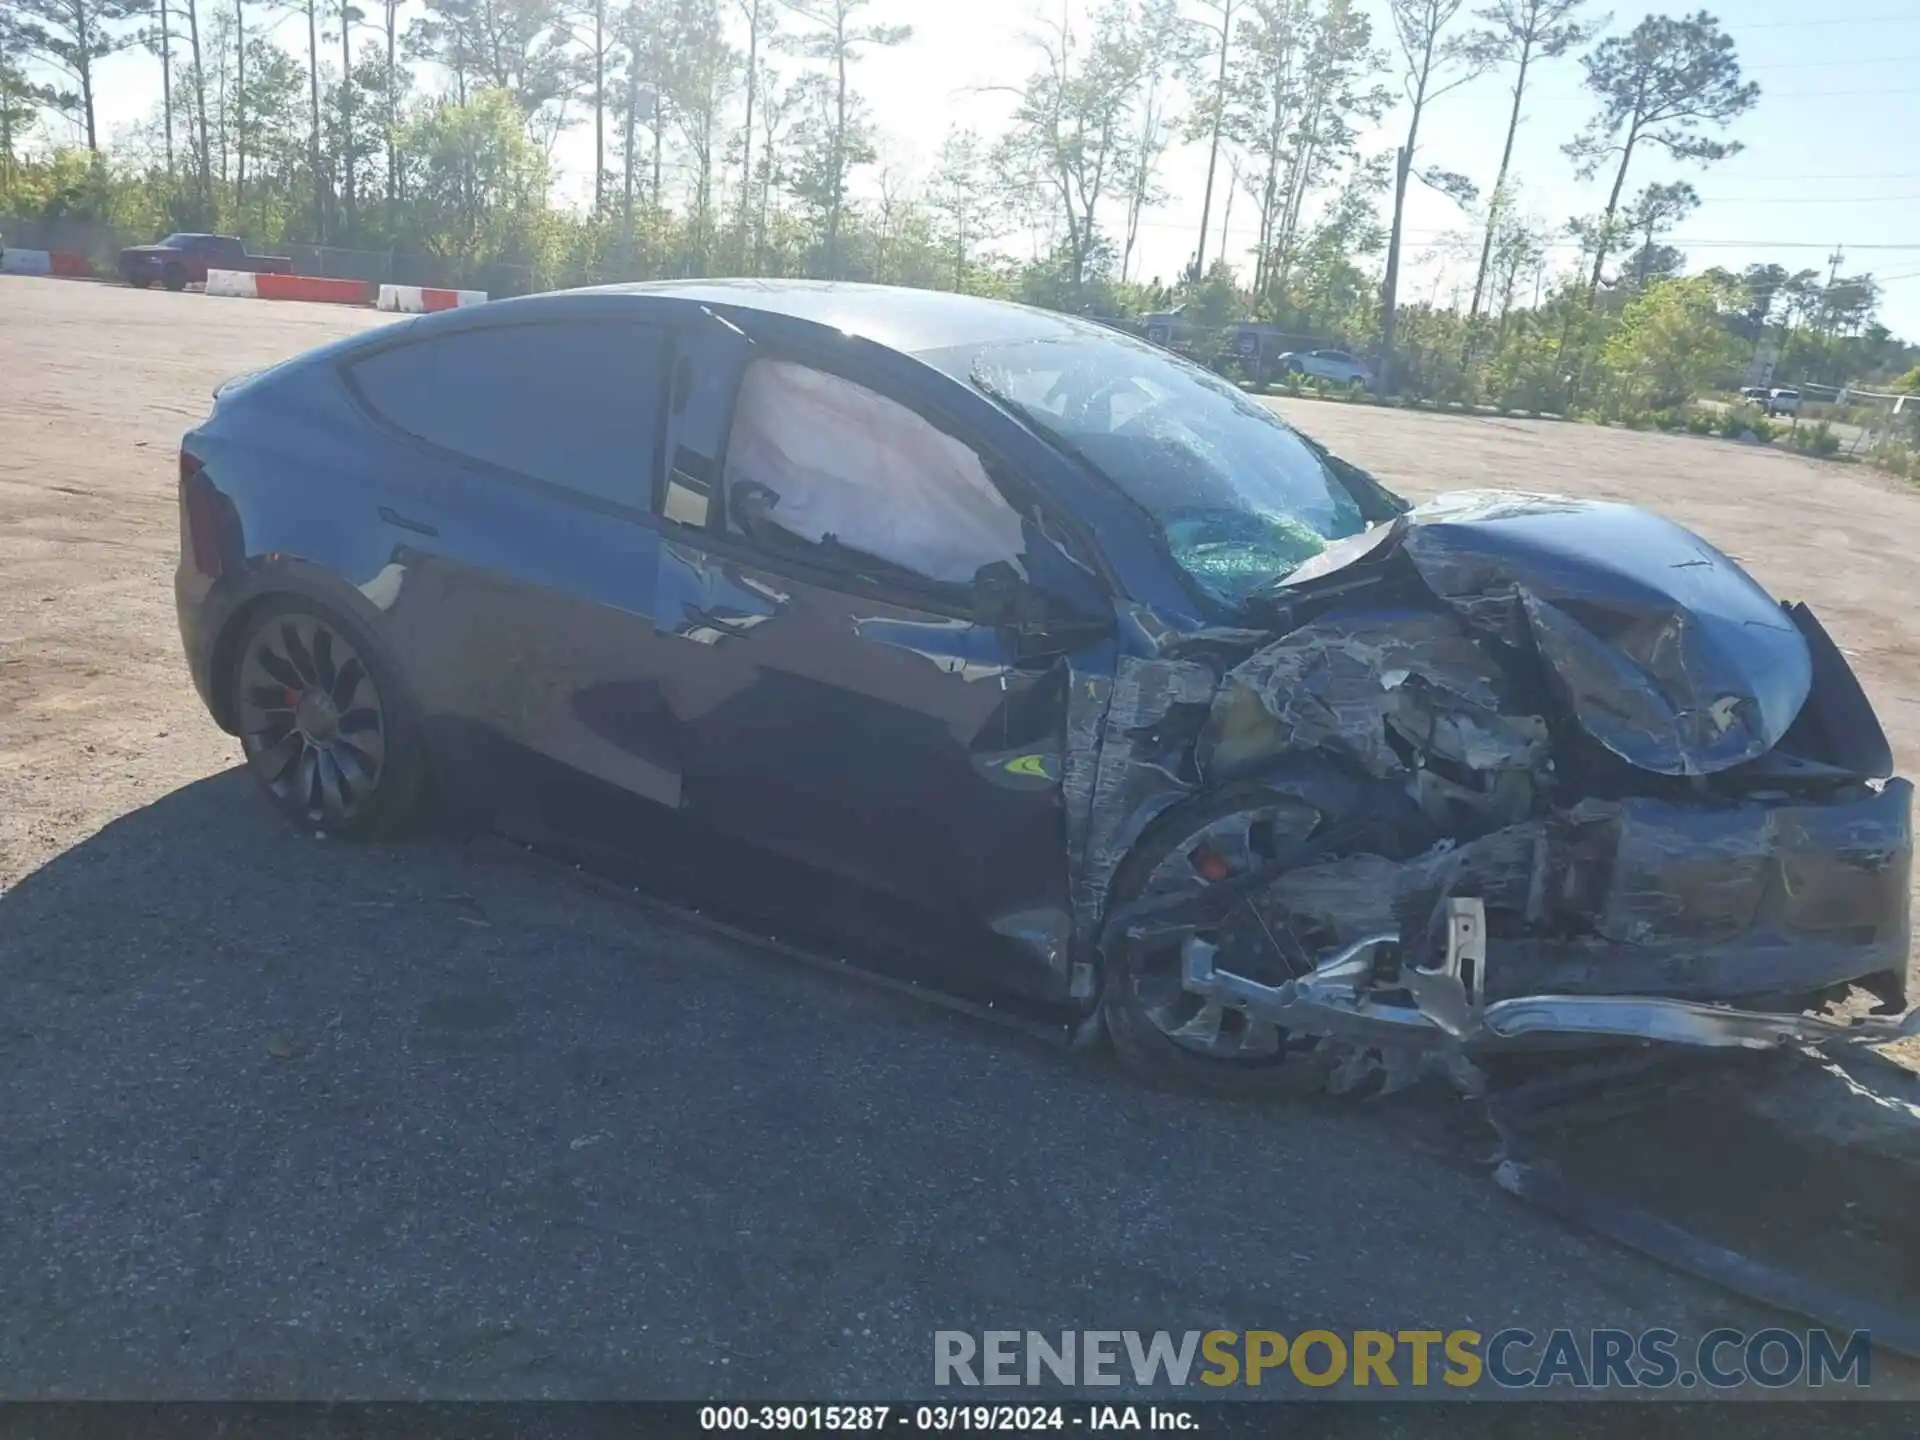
x=576 y=405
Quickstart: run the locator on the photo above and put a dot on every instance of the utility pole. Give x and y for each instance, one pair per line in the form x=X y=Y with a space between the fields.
x=1226 y=216
x=1826 y=318
x=1226 y=8
x=1390 y=288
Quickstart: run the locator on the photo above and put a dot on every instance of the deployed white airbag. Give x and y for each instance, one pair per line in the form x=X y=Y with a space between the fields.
x=869 y=472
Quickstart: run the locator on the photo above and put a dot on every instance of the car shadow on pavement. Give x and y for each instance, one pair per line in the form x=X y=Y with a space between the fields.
x=289 y=1118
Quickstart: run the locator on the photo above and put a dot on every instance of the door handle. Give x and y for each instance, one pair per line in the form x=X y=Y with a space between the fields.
x=394 y=517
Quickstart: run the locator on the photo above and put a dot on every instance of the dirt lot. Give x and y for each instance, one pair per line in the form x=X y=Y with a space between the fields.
x=97 y=385
x=285 y=1119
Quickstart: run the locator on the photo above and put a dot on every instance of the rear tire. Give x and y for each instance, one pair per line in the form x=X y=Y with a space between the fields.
x=328 y=732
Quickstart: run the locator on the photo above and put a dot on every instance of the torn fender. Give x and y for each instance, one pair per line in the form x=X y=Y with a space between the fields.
x=1141 y=765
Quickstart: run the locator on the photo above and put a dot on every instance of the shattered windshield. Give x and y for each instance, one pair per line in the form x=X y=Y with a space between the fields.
x=1240 y=498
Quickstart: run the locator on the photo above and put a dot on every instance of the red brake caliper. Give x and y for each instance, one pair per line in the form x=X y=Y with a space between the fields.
x=1210 y=863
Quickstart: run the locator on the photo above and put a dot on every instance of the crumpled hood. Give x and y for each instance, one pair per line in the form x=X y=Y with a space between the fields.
x=1663 y=649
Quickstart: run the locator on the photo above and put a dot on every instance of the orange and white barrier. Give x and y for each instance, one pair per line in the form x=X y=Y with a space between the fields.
x=70 y=263
x=248 y=285
x=424 y=299
x=237 y=283
x=312 y=287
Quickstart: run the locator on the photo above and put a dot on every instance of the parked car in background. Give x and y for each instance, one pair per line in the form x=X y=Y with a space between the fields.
x=1143 y=703
x=1783 y=402
x=1261 y=350
x=1755 y=394
x=1336 y=367
x=184 y=259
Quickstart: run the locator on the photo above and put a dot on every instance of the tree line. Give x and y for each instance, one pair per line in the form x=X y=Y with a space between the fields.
x=732 y=136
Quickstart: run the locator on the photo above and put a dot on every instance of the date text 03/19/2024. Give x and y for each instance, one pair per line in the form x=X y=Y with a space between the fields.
x=943 y=1419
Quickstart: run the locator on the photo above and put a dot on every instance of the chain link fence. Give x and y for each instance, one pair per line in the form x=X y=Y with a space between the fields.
x=102 y=243
x=400 y=267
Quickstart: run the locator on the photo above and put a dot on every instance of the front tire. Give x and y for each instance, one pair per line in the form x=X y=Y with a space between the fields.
x=140 y=282
x=1162 y=1033
x=174 y=277
x=328 y=733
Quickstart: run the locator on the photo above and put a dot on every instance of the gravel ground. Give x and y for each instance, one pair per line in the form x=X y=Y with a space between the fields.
x=288 y=1119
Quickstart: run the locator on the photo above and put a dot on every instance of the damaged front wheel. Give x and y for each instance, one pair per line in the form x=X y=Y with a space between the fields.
x=1205 y=849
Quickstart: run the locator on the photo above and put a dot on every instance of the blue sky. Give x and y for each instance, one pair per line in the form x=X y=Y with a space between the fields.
x=1832 y=152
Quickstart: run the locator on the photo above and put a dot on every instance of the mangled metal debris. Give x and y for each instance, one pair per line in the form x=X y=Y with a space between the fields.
x=1450 y=1000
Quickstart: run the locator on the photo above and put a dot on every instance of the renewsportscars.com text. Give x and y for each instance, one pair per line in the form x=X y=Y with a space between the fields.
x=1511 y=1359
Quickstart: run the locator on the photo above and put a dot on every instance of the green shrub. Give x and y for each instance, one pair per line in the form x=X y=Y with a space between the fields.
x=1700 y=422
x=1816 y=440
x=1900 y=460
x=1895 y=459
x=1736 y=420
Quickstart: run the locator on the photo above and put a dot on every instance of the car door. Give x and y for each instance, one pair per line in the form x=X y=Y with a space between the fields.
x=525 y=584
x=835 y=700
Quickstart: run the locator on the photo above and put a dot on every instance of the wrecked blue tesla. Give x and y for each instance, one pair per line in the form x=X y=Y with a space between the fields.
x=1157 y=710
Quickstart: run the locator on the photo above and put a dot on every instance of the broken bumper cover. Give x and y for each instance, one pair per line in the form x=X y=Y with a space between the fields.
x=1446 y=1007
x=1683 y=1022
x=1820 y=892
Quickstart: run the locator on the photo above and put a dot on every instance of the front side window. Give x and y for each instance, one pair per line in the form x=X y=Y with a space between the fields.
x=575 y=405
x=818 y=461
x=1241 y=500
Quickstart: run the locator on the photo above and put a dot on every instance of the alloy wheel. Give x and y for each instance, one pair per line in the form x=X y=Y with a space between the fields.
x=1218 y=853
x=310 y=719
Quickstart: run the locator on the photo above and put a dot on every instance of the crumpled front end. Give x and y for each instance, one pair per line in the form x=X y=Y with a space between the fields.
x=1630 y=920
x=1569 y=774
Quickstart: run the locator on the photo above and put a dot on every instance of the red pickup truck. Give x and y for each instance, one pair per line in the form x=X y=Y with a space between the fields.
x=182 y=260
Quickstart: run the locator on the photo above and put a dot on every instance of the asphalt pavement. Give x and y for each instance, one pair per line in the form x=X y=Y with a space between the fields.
x=287 y=1118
